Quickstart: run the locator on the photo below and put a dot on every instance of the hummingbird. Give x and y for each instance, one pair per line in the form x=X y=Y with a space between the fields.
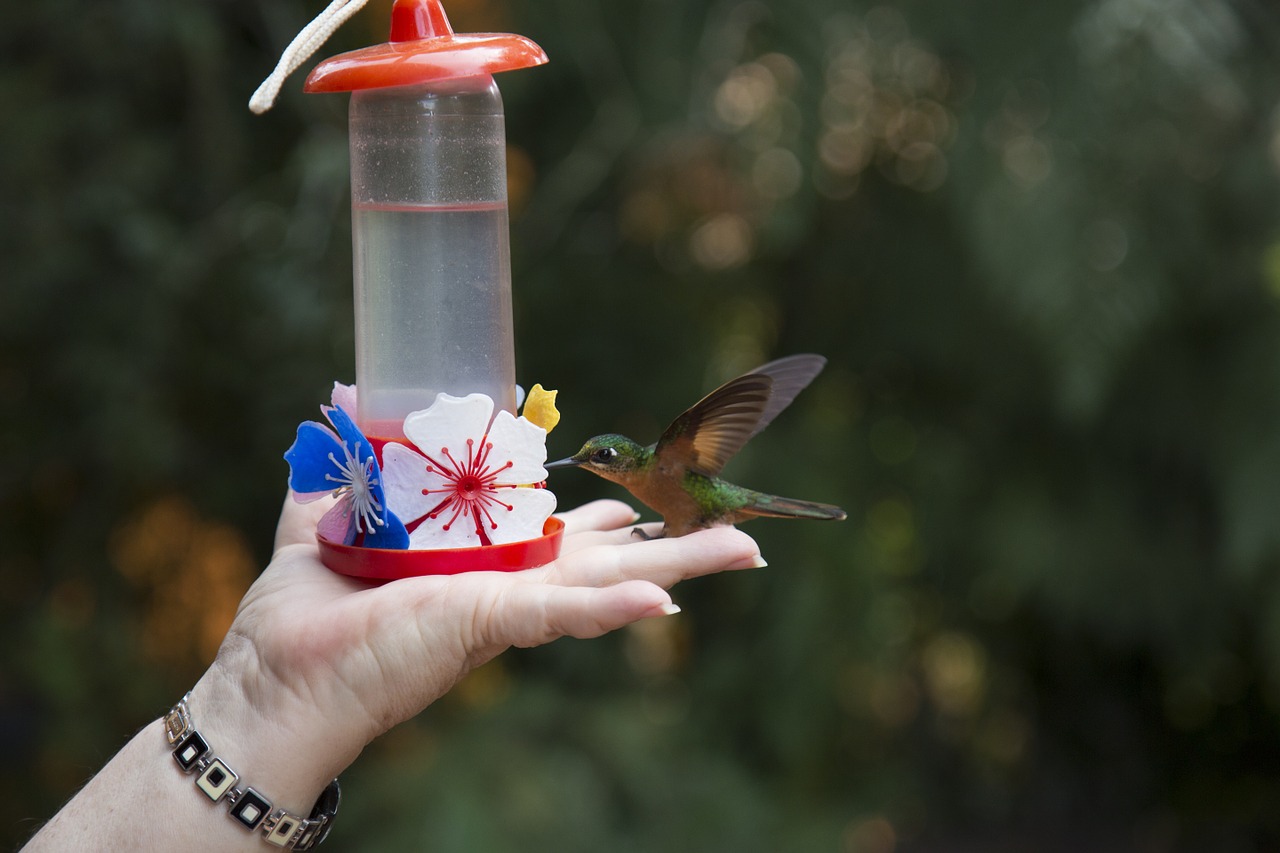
x=679 y=476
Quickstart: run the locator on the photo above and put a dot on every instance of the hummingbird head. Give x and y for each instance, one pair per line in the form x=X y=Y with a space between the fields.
x=611 y=456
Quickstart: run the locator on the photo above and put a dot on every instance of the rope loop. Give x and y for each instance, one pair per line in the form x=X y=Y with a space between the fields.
x=304 y=44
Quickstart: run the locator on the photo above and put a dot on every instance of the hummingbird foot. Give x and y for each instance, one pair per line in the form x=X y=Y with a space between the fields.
x=638 y=532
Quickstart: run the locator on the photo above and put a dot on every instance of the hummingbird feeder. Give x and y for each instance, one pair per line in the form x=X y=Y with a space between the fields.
x=434 y=469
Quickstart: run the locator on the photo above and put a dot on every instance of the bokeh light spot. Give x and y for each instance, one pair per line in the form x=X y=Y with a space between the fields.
x=1027 y=160
x=1106 y=244
x=955 y=673
x=722 y=242
x=192 y=572
x=777 y=173
x=870 y=835
x=744 y=95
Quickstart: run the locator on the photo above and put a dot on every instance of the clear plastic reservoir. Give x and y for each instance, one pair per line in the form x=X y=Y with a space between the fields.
x=432 y=248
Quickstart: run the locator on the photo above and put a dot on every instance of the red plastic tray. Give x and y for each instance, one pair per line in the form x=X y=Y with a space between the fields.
x=384 y=564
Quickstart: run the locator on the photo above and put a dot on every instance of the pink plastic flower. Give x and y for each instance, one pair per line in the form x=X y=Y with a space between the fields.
x=473 y=483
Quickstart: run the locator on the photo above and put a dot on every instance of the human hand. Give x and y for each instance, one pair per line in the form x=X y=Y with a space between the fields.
x=317 y=664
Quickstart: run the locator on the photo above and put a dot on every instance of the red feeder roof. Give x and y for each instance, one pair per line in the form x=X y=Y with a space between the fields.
x=423 y=48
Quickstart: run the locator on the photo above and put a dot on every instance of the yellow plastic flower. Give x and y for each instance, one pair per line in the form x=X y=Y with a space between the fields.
x=540 y=408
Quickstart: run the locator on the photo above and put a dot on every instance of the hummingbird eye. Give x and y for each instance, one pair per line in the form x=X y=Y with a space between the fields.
x=604 y=454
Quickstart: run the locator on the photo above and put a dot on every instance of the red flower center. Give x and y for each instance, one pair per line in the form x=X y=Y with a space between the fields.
x=471 y=488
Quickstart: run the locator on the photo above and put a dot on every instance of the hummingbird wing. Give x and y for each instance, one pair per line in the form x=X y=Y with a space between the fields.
x=790 y=375
x=710 y=433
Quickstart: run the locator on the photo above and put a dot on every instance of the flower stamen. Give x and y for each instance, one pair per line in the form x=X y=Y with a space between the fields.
x=356 y=480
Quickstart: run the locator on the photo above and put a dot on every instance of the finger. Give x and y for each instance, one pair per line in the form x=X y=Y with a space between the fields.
x=664 y=562
x=621 y=536
x=297 y=525
x=530 y=614
x=598 y=515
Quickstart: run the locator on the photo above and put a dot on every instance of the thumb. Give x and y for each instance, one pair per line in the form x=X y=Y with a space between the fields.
x=297 y=525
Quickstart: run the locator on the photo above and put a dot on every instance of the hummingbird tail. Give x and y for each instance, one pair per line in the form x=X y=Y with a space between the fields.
x=773 y=506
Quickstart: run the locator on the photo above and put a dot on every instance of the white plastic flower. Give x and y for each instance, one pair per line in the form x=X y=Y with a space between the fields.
x=472 y=483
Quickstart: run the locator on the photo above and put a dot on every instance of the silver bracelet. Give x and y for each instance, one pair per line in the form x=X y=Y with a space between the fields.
x=248 y=807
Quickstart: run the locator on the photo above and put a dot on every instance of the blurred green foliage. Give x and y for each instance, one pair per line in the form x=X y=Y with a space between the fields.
x=1039 y=242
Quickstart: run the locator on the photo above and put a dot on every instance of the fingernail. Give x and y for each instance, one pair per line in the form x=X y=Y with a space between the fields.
x=670 y=609
x=758 y=562
x=635 y=516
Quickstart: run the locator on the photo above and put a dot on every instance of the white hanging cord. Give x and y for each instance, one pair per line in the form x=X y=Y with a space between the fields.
x=304 y=44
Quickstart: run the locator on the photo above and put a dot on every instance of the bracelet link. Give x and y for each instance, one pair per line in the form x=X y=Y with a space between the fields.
x=281 y=827
x=250 y=808
x=313 y=832
x=175 y=726
x=216 y=779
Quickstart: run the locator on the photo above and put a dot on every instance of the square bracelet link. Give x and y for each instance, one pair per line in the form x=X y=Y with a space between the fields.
x=247 y=806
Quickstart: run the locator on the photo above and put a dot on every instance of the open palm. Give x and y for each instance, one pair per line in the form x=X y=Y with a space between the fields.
x=342 y=660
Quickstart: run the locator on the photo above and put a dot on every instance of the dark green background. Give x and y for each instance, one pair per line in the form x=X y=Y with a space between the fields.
x=1039 y=243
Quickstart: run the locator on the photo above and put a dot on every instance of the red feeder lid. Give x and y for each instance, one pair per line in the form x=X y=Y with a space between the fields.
x=422 y=48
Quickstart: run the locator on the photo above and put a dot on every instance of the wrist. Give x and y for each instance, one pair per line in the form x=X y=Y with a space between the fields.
x=197 y=756
x=268 y=736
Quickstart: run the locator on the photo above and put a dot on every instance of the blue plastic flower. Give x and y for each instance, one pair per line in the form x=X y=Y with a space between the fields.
x=343 y=464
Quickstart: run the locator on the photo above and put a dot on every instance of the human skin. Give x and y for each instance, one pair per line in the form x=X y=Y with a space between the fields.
x=316 y=665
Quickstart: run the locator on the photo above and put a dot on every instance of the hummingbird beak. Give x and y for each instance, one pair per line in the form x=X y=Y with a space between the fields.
x=567 y=462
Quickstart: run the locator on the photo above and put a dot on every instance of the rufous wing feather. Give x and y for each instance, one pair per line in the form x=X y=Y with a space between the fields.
x=707 y=436
x=710 y=433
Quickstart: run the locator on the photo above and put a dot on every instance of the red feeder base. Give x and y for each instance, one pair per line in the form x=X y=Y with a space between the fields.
x=382 y=564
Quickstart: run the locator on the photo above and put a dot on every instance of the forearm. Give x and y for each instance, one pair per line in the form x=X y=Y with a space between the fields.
x=142 y=800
